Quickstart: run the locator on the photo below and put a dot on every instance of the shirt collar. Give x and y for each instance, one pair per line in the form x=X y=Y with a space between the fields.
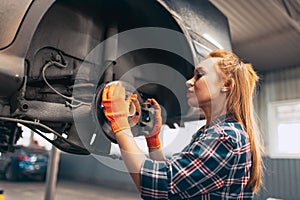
x=229 y=117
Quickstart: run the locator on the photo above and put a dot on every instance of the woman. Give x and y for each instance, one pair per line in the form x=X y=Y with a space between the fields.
x=223 y=160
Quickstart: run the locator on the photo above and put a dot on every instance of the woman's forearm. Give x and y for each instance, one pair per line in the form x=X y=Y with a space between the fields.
x=132 y=155
x=156 y=154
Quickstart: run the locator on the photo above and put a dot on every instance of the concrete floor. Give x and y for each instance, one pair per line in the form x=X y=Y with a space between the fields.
x=66 y=190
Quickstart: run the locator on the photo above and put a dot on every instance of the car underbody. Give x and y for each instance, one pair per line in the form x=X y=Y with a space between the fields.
x=64 y=51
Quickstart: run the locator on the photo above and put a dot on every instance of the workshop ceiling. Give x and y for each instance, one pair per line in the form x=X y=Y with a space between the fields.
x=265 y=33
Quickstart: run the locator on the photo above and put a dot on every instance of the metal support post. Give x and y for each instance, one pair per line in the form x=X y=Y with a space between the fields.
x=52 y=174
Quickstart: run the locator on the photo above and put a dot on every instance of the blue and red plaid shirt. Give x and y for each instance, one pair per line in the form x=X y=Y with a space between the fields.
x=215 y=165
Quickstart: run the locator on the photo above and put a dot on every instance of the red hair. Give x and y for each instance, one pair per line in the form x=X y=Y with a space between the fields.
x=242 y=79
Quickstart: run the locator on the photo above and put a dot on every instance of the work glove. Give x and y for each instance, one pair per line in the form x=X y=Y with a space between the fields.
x=152 y=139
x=116 y=108
x=134 y=110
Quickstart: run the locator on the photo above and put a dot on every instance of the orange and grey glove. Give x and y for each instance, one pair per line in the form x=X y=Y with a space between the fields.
x=153 y=140
x=116 y=108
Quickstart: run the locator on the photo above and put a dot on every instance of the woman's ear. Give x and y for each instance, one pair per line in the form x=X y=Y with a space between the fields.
x=224 y=89
x=228 y=85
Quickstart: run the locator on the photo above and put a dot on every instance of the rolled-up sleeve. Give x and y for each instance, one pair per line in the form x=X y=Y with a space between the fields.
x=154 y=180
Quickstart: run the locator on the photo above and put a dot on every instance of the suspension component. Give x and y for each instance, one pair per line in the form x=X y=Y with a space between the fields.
x=10 y=133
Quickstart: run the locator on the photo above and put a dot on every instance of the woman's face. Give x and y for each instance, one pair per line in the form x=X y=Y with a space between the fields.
x=205 y=86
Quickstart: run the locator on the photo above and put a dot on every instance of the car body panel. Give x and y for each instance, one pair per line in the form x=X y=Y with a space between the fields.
x=12 y=14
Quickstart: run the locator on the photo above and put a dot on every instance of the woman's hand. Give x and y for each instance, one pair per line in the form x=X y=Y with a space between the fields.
x=153 y=141
x=116 y=108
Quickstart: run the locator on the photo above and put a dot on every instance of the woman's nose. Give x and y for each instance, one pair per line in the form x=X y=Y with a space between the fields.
x=190 y=82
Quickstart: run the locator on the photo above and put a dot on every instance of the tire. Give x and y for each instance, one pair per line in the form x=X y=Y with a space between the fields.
x=9 y=174
x=42 y=178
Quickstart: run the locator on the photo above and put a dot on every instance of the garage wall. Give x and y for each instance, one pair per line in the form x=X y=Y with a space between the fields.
x=281 y=179
x=90 y=170
x=282 y=176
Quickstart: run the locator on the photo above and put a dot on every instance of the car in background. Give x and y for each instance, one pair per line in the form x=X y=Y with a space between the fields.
x=24 y=162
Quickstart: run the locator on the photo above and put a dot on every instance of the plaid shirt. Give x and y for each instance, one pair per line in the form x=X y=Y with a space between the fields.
x=215 y=165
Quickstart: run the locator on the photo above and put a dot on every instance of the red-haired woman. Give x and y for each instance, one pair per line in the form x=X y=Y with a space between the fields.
x=223 y=159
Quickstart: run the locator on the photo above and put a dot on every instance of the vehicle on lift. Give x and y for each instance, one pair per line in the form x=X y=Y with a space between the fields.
x=24 y=162
x=48 y=84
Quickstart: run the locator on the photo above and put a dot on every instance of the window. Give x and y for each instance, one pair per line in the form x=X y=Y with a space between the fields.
x=284 y=129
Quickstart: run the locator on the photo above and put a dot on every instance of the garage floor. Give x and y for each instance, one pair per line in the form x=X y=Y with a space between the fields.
x=66 y=190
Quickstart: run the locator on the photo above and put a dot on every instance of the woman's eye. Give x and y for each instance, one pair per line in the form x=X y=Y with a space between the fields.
x=198 y=75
